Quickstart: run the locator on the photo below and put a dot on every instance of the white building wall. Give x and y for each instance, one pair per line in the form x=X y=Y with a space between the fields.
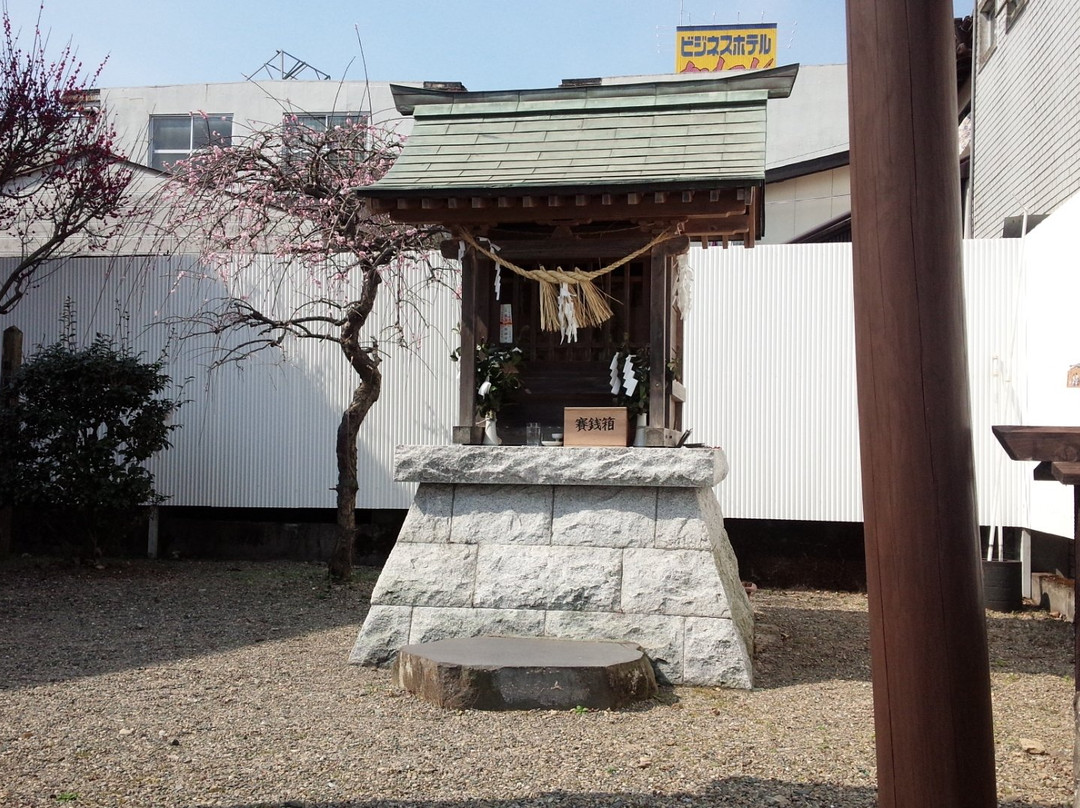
x=1026 y=115
x=812 y=122
x=796 y=206
x=253 y=105
x=1052 y=290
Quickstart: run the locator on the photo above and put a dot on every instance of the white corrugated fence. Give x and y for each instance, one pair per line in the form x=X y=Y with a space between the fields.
x=769 y=371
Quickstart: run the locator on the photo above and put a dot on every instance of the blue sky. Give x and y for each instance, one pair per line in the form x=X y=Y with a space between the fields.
x=486 y=44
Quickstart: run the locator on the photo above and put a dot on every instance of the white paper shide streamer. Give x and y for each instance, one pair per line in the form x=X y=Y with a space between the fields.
x=568 y=324
x=498 y=270
x=630 y=381
x=682 y=286
x=623 y=378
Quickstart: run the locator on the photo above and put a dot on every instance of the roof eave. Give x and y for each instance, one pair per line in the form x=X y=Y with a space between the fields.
x=492 y=191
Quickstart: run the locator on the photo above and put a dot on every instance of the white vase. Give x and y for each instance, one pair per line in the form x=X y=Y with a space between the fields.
x=639 y=431
x=491 y=434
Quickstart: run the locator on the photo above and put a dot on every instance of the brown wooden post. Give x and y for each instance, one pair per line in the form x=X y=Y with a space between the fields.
x=12 y=353
x=467 y=392
x=659 y=336
x=1069 y=474
x=932 y=710
x=1076 y=646
x=10 y=361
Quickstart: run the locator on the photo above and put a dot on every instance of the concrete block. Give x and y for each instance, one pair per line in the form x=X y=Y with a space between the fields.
x=539 y=465
x=428 y=519
x=554 y=577
x=604 y=516
x=386 y=628
x=1055 y=593
x=427 y=575
x=500 y=514
x=680 y=523
x=501 y=673
x=675 y=582
x=441 y=623
x=714 y=653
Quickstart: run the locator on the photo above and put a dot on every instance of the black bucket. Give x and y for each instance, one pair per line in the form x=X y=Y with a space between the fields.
x=1003 y=589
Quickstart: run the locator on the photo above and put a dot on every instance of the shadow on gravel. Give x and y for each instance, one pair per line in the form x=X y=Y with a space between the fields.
x=804 y=646
x=64 y=621
x=1030 y=642
x=734 y=791
x=808 y=645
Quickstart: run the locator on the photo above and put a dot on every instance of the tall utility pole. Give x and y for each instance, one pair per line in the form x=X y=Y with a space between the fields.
x=932 y=709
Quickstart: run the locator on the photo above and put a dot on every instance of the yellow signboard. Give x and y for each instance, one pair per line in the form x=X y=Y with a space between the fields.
x=708 y=48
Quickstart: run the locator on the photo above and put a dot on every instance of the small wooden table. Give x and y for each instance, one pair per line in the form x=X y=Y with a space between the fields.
x=1057 y=450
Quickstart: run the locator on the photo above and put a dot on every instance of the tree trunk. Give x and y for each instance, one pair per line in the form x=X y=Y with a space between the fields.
x=364 y=396
x=365 y=361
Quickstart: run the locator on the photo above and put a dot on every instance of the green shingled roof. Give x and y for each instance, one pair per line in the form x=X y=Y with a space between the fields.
x=665 y=134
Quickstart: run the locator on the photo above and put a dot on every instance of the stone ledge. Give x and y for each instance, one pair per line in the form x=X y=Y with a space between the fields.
x=541 y=465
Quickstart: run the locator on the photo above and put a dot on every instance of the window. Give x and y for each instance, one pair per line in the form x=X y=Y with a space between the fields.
x=986 y=29
x=323 y=121
x=1012 y=11
x=302 y=132
x=177 y=137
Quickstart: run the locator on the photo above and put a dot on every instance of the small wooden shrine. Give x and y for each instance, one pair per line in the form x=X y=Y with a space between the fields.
x=571 y=210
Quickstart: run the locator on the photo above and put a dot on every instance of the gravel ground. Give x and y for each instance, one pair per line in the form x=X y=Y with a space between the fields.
x=226 y=684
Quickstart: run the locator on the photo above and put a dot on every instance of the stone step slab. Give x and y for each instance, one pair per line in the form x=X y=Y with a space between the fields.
x=504 y=673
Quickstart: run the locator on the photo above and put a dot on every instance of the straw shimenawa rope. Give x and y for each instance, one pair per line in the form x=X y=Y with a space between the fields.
x=590 y=307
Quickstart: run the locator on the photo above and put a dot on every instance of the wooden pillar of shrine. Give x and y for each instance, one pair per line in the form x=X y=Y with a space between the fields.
x=665 y=346
x=932 y=709
x=466 y=431
x=659 y=343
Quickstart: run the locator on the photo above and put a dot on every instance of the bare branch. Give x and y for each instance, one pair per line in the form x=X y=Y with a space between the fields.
x=291 y=192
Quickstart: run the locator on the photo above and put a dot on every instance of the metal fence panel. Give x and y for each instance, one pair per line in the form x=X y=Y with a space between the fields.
x=769 y=369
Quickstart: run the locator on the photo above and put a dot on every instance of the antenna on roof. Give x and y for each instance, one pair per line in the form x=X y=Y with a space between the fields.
x=283 y=65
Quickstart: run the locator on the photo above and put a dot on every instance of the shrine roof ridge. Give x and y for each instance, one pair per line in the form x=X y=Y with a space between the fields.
x=775 y=82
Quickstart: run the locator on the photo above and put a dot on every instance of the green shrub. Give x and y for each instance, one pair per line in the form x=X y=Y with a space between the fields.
x=78 y=427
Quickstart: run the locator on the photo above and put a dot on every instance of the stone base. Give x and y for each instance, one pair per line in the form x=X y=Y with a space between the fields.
x=502 y=673
x=612 y=544
x=1054 y=592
